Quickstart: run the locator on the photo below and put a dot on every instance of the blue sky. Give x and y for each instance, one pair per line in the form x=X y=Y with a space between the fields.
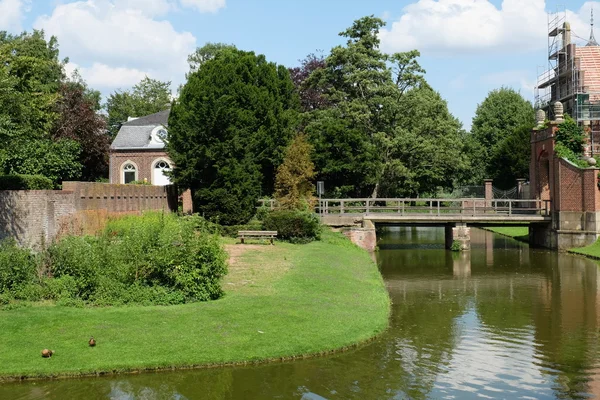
x=468 y=47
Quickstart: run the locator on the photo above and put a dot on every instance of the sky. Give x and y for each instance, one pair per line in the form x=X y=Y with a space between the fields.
x=468 y=47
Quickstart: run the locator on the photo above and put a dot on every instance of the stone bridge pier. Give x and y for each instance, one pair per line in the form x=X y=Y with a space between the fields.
x=458 y=232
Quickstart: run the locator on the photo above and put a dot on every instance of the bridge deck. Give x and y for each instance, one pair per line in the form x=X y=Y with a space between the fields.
x=435 y=211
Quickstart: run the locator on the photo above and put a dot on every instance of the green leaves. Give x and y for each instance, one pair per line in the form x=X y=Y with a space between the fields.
x=228 y=132
x=497 y=117
x=149 y=96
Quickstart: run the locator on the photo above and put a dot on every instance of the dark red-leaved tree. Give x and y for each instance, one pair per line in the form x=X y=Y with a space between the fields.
x=79 y=121
x=311 y=94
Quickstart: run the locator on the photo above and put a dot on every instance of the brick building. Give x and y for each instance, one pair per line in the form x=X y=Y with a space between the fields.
x=138 y=151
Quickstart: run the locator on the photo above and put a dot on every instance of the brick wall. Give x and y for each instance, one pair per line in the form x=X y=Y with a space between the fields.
x=33 y=217
x=143 y=159
x=37 y=217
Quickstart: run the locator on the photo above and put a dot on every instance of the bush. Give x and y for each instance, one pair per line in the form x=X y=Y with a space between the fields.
x=296 y=226
x=232 y=230
x=25 y=182
x=18 y=267
x=77 y=258
x=153 y=259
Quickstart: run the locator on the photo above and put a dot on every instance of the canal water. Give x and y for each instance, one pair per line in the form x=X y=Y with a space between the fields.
x=501 y=321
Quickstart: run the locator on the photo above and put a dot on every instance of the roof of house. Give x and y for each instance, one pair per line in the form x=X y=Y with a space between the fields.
x=137 y=133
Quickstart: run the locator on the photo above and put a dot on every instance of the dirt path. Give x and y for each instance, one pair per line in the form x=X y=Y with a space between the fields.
x=254 y=267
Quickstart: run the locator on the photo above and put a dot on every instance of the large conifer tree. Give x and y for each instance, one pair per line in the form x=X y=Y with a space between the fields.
x=229 y=130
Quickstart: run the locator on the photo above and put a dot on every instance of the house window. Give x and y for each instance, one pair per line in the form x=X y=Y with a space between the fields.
x=158 y=175
x=129 y=173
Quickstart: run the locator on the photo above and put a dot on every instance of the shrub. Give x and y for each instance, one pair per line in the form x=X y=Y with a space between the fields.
x=294 y=225
x=153 y=259
x=77 y=257
x=18 y=267
x=231 y=231
x=25 y=182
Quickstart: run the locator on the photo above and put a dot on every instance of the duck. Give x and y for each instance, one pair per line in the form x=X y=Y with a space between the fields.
x=47 y=353
x=92 y=342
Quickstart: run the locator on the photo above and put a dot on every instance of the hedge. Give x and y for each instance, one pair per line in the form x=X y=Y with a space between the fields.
x=25 y=182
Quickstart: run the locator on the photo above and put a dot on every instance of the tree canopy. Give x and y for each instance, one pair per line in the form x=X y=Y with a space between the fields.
x=496 y=119
x=382 y=130
x=228 y=131
x=147 y=97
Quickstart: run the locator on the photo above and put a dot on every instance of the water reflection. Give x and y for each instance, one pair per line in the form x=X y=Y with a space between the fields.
x=501 y=321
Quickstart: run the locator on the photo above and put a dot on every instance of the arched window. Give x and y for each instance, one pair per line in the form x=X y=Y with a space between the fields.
x=162 y=165
x=158 y=174
x=129 y=173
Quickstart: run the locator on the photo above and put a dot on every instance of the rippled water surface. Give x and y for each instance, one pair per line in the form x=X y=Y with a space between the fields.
x=502 y=321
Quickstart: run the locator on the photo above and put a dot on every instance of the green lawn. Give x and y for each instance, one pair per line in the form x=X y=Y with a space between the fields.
x=592 y=250
x=281 y=301
x=520 y=233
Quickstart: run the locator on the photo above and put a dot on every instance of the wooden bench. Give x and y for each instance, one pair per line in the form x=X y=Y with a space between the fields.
x=271 y=235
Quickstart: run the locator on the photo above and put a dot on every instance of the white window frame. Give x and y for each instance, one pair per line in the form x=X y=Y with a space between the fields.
x=125 y=164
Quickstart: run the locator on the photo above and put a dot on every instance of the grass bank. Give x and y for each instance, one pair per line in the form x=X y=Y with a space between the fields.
x=591 y=251
x=281 y=301
x=520 y=233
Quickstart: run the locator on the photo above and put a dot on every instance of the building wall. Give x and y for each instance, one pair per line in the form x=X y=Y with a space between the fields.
x=35 y=218
x=143 y=159
x=573 y=191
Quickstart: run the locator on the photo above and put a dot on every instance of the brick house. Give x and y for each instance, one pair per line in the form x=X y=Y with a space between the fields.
x=138 y=151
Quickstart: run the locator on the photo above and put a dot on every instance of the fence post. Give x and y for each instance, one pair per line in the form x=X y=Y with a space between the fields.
x=509 y=207
x=438 y=208
x=402 y=207
x=341 y=207
x=368 y=206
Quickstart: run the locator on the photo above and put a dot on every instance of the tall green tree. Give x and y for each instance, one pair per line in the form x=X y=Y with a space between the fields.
x=31 y=75
x=502 y=112
x=206 y=53
x=228 y=132
x=383 y=131
x=147 y=97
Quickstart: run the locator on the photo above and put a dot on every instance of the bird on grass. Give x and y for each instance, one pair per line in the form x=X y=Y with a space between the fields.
x=47 y=353
x=92 y=342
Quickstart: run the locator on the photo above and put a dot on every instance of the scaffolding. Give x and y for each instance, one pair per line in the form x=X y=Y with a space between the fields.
x=564 y=79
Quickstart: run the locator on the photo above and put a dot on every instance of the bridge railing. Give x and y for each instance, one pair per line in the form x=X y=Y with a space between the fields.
x=439 y=207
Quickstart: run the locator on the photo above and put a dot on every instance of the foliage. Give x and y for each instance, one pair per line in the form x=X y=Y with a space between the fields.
x=456 y=246
x=79 y=122
x=511 y=157
x=25 y=182
x=36 y=72
x=311 y=97
x=232 y=230
x=293 y=225
x=565 y=152
x=31 y=76
x=206 y=53
x=152 y=259
x=293 y=187
x=55 y=159
x=383 y=131
x=228 y=132
x=149 y=96
x=17 y=267
x=571 y=135
x=501 y=113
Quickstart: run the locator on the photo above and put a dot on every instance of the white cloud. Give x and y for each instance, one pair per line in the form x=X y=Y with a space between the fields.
x=11 y=14
x=204 y=5
x=107 y=77
x=114 y=40
x=444 y=26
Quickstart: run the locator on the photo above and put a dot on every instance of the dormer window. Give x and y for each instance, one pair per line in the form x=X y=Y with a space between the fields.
x=159 y=136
